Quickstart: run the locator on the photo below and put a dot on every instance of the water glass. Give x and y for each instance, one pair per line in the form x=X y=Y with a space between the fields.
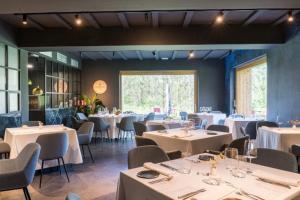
x=185 y=167
x=231 y=154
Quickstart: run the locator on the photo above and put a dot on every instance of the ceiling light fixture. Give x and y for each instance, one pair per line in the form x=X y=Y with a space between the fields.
x=191 y=54
x=78 y=20
x=291 y=17
x=24 y=20
x=220 y=18
x=29 y=66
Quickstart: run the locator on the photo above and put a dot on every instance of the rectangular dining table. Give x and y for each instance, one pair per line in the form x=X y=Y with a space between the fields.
x=235 y=125
x=18 y=138
x=277 y=138
x=131 y=187
x=168 y=124
x=196 y=141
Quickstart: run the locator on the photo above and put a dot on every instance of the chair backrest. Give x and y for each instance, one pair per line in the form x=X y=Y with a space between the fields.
x=216 y=111
x=81 y=116
x=276 y=159
x=31 y=123
x=239 y=144
x=250 y=130
x=204 y=123
x=266 y=123
x=150 y=116
x=126 y=123
x=53 y=145
x=155 y=127
x=221 y=128
x=139 y=128
x=142 y=141
x=87 y=128
x=27 y=160
x=139 y=155
x=99 y=123
x=183 y=115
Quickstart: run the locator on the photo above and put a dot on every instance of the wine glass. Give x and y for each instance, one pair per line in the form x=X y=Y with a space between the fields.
x=231 y=154
x=250 y=153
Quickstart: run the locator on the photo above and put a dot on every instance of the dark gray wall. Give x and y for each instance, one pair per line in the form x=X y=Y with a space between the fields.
x=210 y=77
x=284 y=80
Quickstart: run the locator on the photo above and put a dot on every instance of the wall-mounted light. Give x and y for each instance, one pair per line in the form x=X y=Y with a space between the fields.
x=191 y=54
x=220 y=18
x=290 y=17
x=29 y=66
x=78 y=20
x=24 y=20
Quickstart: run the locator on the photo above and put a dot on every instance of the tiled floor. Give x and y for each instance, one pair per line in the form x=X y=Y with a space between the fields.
x=92 y=181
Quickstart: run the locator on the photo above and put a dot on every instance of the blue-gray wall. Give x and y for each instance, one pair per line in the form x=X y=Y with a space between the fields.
x=283 y=83
x=210 y=78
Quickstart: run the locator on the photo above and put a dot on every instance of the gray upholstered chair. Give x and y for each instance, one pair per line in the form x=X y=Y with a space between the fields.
x=149 y=117
x=139 y=155
x=53 y=147
x=276 y=159
x=72 y=196
x=76 y=123
x=183 y=115
x=18 y=173
x=142 y=141
x=4 y=150
x=266 y=123
x=239 y=144
x=126 y=126
x=155 y=127
x=215 y=127
x=32 y=123
x=100 y=126
x=85 y=134
x=250 y=130
x=139 y=128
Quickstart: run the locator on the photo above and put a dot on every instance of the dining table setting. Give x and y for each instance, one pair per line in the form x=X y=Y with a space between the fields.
x=19 y=137
x=193 y=178
x=189 y=141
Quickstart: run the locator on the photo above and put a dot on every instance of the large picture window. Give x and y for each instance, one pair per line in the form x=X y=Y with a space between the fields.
x=251 y=89
x=167 y=92
x=9 y=79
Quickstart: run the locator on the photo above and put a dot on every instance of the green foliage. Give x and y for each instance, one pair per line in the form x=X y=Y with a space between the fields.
x=141 y=93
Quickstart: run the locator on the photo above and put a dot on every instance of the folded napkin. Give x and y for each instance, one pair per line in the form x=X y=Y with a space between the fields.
x=158 y=168
x=277 y=179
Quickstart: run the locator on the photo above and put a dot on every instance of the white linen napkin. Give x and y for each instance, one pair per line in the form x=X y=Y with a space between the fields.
x=277 y=179
x=159 y=169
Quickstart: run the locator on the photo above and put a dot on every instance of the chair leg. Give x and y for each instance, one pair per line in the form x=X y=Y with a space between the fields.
x=101 y=136
x=107 y=135
x=26 y=193
x=41 y=177
x=59 y=166
x=82 y=149
x=119 y=134
x=62 y=159
x=88 y=146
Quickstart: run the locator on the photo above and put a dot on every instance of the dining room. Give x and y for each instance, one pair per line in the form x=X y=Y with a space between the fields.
x=139 y=100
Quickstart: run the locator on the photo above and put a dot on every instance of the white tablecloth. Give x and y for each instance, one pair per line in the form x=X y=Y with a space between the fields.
x=277 y=138
x=168 y=124
x=132 y=187
x=197 y=141
x=112 y=120
x=18 y=138
x=212 y=118
x=235 y=125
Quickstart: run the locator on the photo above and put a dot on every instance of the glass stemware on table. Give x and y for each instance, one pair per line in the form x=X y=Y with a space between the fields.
x=249 y=154
x=233 y=160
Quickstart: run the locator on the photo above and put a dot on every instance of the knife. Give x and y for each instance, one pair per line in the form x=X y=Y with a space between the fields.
x=168 y=166
x=190 y=194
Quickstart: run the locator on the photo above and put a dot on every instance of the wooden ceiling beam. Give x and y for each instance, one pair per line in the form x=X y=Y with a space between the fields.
x=62 y=20
x=123 y=20
x=252 y=17
x=188 y=18
x=92 y=20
